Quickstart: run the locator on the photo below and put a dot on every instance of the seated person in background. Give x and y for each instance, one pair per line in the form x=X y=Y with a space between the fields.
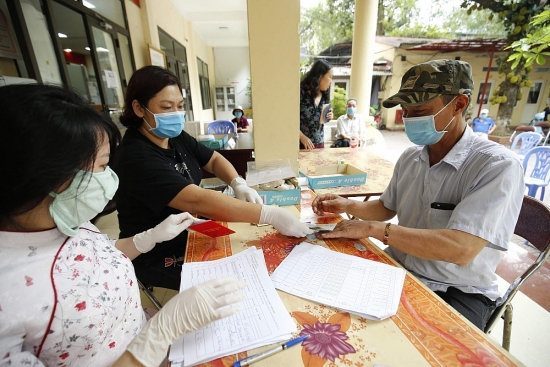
x=457 y=196
x=539 y=117
x=69 y=294
x=349 y=125
x=483 y=125
x=240 y=120
x=160 y=172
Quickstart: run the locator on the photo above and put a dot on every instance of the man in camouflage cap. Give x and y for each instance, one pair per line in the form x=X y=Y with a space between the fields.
x=456 y=196
x=427 y=81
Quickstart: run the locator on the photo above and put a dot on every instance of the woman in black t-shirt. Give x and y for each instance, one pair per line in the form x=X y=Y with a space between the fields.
x=159 y=168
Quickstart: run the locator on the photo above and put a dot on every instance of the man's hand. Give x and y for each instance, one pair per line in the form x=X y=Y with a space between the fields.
x=330 y=203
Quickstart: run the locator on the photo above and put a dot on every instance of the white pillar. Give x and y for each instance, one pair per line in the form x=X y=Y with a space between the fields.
x=364 y=33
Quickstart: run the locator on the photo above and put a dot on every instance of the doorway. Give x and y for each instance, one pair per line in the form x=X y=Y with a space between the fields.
x=482 y=99
x=532 y=103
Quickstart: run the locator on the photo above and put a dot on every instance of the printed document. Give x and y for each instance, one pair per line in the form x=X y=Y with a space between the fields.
x=363 y=287
x=262 y=318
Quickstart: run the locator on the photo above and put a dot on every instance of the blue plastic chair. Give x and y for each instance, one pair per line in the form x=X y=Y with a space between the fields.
x=528 y=141
x=538 y=176
x=221 y=127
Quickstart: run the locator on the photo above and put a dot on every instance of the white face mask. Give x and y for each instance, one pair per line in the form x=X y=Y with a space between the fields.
x=85 y=198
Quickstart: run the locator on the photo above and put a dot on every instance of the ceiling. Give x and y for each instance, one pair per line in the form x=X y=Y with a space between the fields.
x=220 y=23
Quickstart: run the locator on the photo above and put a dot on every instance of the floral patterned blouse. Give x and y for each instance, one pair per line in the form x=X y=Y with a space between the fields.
x=65 y=301
x=310 y=115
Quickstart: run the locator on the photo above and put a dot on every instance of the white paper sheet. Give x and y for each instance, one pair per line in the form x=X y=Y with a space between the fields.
x=367 y=288
x=262 y=318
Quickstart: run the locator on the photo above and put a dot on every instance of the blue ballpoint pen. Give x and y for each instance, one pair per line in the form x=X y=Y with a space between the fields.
x=258 y=357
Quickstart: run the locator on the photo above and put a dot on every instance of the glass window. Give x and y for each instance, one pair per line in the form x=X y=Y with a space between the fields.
x=166 y=43
x=487 y=93
x=534 y=93
x=69 y=28
x=176 y=61
x=205 y=84
x=181 y=54
x=108 y=67
x=41 y=41
x=11 y=59
x=124 y=43
x=110 y=9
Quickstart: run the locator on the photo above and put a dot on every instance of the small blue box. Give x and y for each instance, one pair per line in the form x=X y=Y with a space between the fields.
x=285 y=197
x=279 y=169
x=335 y=175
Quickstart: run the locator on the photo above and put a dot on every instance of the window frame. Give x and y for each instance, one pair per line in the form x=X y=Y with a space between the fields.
x=204 y=81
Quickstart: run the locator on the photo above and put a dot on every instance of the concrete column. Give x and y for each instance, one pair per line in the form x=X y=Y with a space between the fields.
x=275 y=75
x=364 y=33
x=150 y=32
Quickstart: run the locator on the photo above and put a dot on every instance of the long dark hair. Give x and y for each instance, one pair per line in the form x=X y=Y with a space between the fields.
x=311 y=80
x=144 y=85
x=49 y=134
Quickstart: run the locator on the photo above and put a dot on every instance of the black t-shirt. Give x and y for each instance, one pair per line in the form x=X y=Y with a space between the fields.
x=150 y=177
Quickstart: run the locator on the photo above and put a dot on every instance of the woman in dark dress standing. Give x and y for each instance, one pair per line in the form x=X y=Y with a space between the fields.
x=314 y=93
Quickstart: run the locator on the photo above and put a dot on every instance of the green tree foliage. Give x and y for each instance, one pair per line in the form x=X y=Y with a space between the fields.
x=480 y=23
x=332 y=22
x=532 y=47
x=338 y=103
x=526 y=25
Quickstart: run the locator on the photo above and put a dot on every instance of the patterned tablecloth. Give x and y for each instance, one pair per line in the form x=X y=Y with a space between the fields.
x=379 y=170
x=424 y=332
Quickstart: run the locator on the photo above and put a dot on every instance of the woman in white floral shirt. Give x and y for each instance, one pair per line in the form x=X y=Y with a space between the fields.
x=68 y=294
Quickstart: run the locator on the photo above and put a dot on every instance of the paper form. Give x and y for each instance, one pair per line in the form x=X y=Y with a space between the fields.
x=360 y=286
x=262 y=318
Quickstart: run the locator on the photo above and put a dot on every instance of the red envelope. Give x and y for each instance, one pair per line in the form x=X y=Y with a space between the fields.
x=211 y=229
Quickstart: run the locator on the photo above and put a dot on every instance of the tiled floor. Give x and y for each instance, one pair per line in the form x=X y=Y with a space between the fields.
x=531 y=321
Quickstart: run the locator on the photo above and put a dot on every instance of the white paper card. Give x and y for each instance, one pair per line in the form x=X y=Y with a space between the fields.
x=350 y=283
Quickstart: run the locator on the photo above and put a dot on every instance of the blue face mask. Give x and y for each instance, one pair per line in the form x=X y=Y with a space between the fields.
x=483 y=115
x=421 y=130
x=169 y=124
x=351 y=111
x=238 y=114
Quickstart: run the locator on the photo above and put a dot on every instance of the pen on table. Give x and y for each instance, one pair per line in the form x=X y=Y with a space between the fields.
x=258 y=357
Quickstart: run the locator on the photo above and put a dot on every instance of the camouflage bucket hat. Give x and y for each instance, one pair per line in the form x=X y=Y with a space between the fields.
x=427 y=81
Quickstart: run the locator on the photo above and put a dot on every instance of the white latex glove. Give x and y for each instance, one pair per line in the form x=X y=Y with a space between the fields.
x=164 y=231
x=283 y=221
x=188 y=311
x=243 y=192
